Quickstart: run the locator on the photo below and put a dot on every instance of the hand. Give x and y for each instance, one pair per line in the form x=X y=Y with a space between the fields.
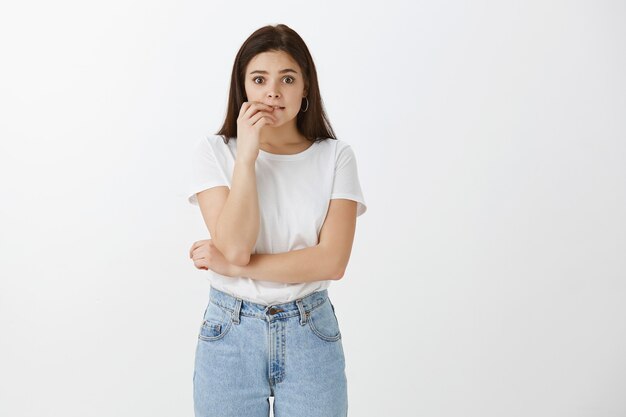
x=252 y=117
x=206 y=256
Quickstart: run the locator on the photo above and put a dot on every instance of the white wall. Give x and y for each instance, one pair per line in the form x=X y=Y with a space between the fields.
x=487 y=278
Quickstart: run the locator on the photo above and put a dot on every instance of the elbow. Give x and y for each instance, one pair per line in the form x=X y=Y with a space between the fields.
x=337 y=265
x=238 y=257
x=342 y=264
x=234 y=256
x=339 y=272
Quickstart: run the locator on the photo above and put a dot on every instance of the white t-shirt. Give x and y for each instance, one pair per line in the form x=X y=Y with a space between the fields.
x=294 y=193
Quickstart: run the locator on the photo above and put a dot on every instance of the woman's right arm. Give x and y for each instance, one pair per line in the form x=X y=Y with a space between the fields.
x=237 y=226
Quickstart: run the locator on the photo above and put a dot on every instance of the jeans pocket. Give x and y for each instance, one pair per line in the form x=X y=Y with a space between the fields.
x=215 y=324
x=323 y=322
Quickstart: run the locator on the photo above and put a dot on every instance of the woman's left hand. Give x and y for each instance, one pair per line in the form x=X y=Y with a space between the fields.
x=206 y=256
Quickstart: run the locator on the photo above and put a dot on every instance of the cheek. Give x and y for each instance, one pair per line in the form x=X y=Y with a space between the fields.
x=252 y=93
x=292 y=112
x=296 y=102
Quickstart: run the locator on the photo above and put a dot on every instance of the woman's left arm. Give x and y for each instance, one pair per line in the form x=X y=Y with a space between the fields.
x=326 y=260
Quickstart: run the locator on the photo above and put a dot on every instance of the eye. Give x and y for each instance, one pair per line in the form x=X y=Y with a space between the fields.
x=287 y=77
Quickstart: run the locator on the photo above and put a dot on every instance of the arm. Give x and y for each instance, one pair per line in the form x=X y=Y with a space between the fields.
x=237 y=226
x=326 y=260
x=300 y=265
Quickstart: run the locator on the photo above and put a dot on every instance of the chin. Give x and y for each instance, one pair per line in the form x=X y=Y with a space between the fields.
x=280 y=123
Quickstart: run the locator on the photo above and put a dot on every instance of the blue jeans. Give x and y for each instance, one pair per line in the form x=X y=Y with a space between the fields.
x=247 y=352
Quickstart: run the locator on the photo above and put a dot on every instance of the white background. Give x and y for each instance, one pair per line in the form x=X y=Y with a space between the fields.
x=487 y=277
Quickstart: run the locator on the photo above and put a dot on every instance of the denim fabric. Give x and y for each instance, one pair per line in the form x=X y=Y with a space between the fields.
x=247 y=352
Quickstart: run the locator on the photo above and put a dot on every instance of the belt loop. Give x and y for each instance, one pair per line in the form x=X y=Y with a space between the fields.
x=235 y=317
x=303 y=312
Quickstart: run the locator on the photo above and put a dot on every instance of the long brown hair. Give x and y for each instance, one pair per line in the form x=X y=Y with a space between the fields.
x=313 y=124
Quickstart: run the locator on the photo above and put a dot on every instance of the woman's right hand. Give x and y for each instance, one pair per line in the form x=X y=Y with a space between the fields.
x=252 y=117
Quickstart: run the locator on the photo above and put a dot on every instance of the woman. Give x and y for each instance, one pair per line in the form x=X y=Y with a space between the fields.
x=280 y=196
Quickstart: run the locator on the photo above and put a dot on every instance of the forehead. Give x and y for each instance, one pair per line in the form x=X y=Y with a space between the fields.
x=272 y=61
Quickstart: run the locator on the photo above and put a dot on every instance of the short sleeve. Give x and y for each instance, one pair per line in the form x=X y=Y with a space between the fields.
x=205 y=172
x=346 y=183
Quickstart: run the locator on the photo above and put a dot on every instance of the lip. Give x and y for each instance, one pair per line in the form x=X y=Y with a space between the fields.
x=277 y=107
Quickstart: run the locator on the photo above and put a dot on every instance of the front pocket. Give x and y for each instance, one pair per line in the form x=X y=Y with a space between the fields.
x=215 y=323
x=323 y=322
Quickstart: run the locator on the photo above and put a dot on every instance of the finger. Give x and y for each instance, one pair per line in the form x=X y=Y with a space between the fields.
x=256 y=107
x=244 y=107
x=263 y=121
x=200 y=265
x=193 y=247
x=260 y=116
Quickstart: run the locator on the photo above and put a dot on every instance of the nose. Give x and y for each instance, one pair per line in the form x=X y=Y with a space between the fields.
x=272 y=90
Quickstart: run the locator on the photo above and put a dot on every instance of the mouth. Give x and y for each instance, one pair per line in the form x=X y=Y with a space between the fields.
x=278 y=108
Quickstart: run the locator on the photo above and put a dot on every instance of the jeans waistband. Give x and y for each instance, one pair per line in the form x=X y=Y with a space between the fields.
x=300 y=306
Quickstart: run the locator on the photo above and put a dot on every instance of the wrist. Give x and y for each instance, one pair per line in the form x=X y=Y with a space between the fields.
x=236 y=270
x=246 y=161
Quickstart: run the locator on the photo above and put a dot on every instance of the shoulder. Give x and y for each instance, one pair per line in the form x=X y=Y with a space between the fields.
x=336 y=146
x=339 y=150
x=343 y=146
x=212 y=143
x=339 y=145
x=217 y=140
x=343 y=151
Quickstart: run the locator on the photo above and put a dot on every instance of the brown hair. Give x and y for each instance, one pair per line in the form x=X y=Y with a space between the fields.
x=313 y=124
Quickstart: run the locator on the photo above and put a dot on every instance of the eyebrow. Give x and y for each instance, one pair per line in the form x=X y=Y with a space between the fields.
x=281 y=71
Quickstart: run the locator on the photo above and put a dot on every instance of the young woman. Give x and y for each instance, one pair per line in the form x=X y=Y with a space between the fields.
x=280 y=196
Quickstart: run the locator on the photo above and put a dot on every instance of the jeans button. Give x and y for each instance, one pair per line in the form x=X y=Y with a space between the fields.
x=274 y=310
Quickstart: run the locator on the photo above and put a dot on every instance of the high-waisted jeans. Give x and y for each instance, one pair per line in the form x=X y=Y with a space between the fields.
x=248 y=352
